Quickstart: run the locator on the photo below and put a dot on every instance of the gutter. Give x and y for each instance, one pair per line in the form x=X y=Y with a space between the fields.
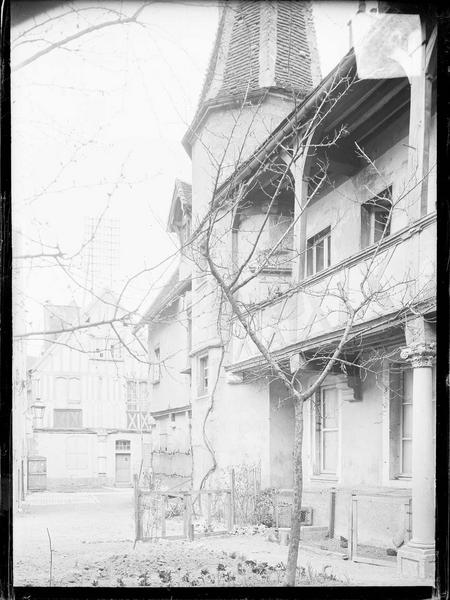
x=286 y=126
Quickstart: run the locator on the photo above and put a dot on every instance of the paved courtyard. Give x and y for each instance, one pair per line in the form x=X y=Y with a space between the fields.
x=92 y=537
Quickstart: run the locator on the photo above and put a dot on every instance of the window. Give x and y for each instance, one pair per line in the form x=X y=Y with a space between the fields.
x=143 y=395
x=157 y=365
x=36 y=388
x=61 y=389
x=106 y=348
x=203 y=375
x=406 y=425
x=99 y=347
x=326 y=431
x=137 y=405
x=132 y=395
x=401 y=420
x=189 y=329
x=68 y=390
x=376 y=218
x=76 y=453
x=318 y=252
x=116 y=351
x=74 y=390
x=67 y=418
x=280 y=221
x=123 y=445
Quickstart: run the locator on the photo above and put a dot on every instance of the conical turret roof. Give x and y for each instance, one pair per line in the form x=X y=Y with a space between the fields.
x=260 y=46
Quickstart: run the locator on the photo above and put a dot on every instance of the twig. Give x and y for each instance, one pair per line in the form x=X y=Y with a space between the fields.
x=51 y=559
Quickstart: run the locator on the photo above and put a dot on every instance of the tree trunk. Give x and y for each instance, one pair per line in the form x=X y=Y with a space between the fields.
x=297 y=501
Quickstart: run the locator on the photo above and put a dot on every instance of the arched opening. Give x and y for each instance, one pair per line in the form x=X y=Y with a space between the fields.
x=263 y=224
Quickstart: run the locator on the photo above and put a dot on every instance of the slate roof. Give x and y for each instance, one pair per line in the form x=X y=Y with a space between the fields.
x=293 y=38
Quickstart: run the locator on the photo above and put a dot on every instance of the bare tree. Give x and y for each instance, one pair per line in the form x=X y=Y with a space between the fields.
x=261 y=208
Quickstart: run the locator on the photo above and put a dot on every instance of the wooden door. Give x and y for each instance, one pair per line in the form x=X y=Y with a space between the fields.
x=37 y=473
x=123 y=469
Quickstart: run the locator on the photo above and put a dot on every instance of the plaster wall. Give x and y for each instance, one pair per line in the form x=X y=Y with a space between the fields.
x=340 y=208
x=227 y=137
x=282 y=424
x=361 y=457
x=99 y=457
x=171 y=337
x=102 y=381
x=237 y=428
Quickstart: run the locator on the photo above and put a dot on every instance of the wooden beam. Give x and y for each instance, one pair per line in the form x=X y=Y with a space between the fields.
x=379 y=123
x=353 y=105
x=374 y=107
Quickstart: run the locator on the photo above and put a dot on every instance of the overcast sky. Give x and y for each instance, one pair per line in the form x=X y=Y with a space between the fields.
x=99 y=123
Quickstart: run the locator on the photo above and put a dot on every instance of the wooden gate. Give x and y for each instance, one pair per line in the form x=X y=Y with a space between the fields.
x=170 y=515
x=37 y=473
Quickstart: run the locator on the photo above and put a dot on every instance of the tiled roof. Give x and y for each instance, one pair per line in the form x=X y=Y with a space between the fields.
x=249 y=30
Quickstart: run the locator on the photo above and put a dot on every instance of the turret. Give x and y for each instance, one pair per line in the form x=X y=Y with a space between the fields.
x=264 y=60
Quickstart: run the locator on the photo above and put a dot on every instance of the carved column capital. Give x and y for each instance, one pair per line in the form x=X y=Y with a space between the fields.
x=420 y=354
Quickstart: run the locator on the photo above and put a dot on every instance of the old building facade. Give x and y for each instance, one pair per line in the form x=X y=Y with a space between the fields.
x=88 y=403
x=345 y=214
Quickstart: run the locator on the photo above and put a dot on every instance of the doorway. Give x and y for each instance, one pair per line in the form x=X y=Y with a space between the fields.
x=123 y=469
x=37 y=473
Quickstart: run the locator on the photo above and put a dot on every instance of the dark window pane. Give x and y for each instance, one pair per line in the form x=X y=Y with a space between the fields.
x=381 y=228
x=320 y=255
x=309 y=261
